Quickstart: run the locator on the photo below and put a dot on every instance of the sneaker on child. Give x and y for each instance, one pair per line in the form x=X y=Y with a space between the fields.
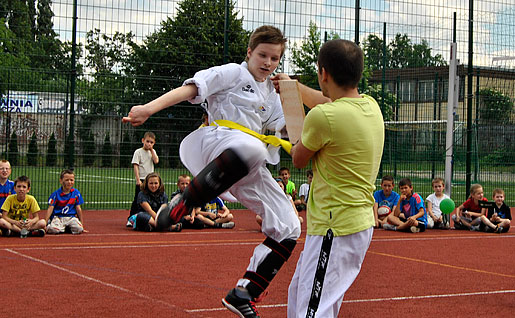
x=240 y=302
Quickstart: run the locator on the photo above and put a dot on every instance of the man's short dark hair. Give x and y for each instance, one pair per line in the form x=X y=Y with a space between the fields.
x=343 y=60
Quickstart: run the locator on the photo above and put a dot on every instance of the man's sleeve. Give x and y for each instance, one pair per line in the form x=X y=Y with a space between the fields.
x=316 y=130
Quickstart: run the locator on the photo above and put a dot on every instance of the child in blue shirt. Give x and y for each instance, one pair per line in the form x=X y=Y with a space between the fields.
x=385 y=201
x=6 y=185
x=411 y=205
x=64 y=207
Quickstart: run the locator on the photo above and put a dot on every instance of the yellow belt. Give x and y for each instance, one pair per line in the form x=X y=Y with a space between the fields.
x=273 y=140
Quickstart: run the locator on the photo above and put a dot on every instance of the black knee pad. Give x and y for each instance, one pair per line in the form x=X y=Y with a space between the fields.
x=267 y=270
x=142 y=219
x=218 y=176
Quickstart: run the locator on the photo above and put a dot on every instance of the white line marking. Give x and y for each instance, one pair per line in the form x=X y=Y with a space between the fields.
x=379 y=299
x=94 y=280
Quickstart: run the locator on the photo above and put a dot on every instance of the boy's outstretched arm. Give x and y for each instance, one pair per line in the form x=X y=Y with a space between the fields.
x=139 y=114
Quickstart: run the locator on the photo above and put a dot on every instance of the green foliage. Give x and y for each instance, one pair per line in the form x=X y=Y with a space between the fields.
x=32 y=154
x=107 y=152
x=502 y=155
x=191 y=41
x=400 y=53
x=126 y=150
x=87 y=140
x=305 y=57
x=386 y=104
x=88 y=149
x=51 y=153
x=495 y=107
x=12 y=154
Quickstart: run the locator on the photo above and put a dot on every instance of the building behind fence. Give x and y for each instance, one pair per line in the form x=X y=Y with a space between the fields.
x=67 y=81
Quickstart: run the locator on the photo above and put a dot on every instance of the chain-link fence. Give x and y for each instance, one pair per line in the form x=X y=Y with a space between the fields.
x=70 y=70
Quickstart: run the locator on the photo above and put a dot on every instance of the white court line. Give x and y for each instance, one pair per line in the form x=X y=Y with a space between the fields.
x=94 y=279
x=380 y=299
x=127 y=246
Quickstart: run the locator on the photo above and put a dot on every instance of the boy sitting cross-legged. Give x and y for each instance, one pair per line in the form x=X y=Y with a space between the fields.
x=20 y=212
x=412 y=206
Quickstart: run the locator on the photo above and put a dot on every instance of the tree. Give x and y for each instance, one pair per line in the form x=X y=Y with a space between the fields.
x=495 y=107
x=305 y=57
x=191 y=41
x=49 y=49
x=32 y=154
x=107 y=56
x=125 y=150
x=51 y=153
x=20 y=22
x=107 y=152
x=400 y=53
x=12 y=154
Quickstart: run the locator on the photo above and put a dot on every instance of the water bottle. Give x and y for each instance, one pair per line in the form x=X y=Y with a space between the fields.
x=24 y=232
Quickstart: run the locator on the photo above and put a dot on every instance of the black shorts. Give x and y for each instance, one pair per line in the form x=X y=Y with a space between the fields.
x=421 y=225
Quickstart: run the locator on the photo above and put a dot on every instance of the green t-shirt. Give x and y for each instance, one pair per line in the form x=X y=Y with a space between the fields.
x=347 y=136
x=290 y=187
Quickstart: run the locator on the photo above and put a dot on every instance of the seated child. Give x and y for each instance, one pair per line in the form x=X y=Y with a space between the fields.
x=499 y=215
x=385 y=201
x=6 y=185
x=284 y=173
x=151 y=198
x=64 y=207
x=215 y=214
x=435 y=216
x=468 y=215
x=302 y=201
x=282 y=185
x=20 y=212
x=414 y=218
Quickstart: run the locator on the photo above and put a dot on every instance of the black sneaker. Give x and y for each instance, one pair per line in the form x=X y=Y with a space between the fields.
x=171 y=213
x=241 y=304
x=6 y=232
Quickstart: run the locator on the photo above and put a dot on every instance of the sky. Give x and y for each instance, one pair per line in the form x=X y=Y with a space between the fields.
x=429 y=20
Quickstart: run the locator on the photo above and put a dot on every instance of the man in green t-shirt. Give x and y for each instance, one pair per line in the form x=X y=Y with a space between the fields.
x=345 y=160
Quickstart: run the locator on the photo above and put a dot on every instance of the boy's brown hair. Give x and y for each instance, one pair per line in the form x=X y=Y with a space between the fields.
x=182 y=176
x=22 y=179
x=387 y=178
x=149 y=134
x=404 y=182
x=498 y=191
x=284 y=169
x=437 y=180
x=267 y=34
x=66 y=171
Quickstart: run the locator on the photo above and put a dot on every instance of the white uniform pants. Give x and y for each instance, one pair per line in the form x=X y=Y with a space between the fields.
x=258 y=191
x=346 y=256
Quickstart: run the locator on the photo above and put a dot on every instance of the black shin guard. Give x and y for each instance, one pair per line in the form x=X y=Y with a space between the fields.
x=218 y=176
x=266 y=271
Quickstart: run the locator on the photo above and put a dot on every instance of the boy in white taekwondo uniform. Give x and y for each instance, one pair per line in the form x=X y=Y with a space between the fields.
x=228 y=157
